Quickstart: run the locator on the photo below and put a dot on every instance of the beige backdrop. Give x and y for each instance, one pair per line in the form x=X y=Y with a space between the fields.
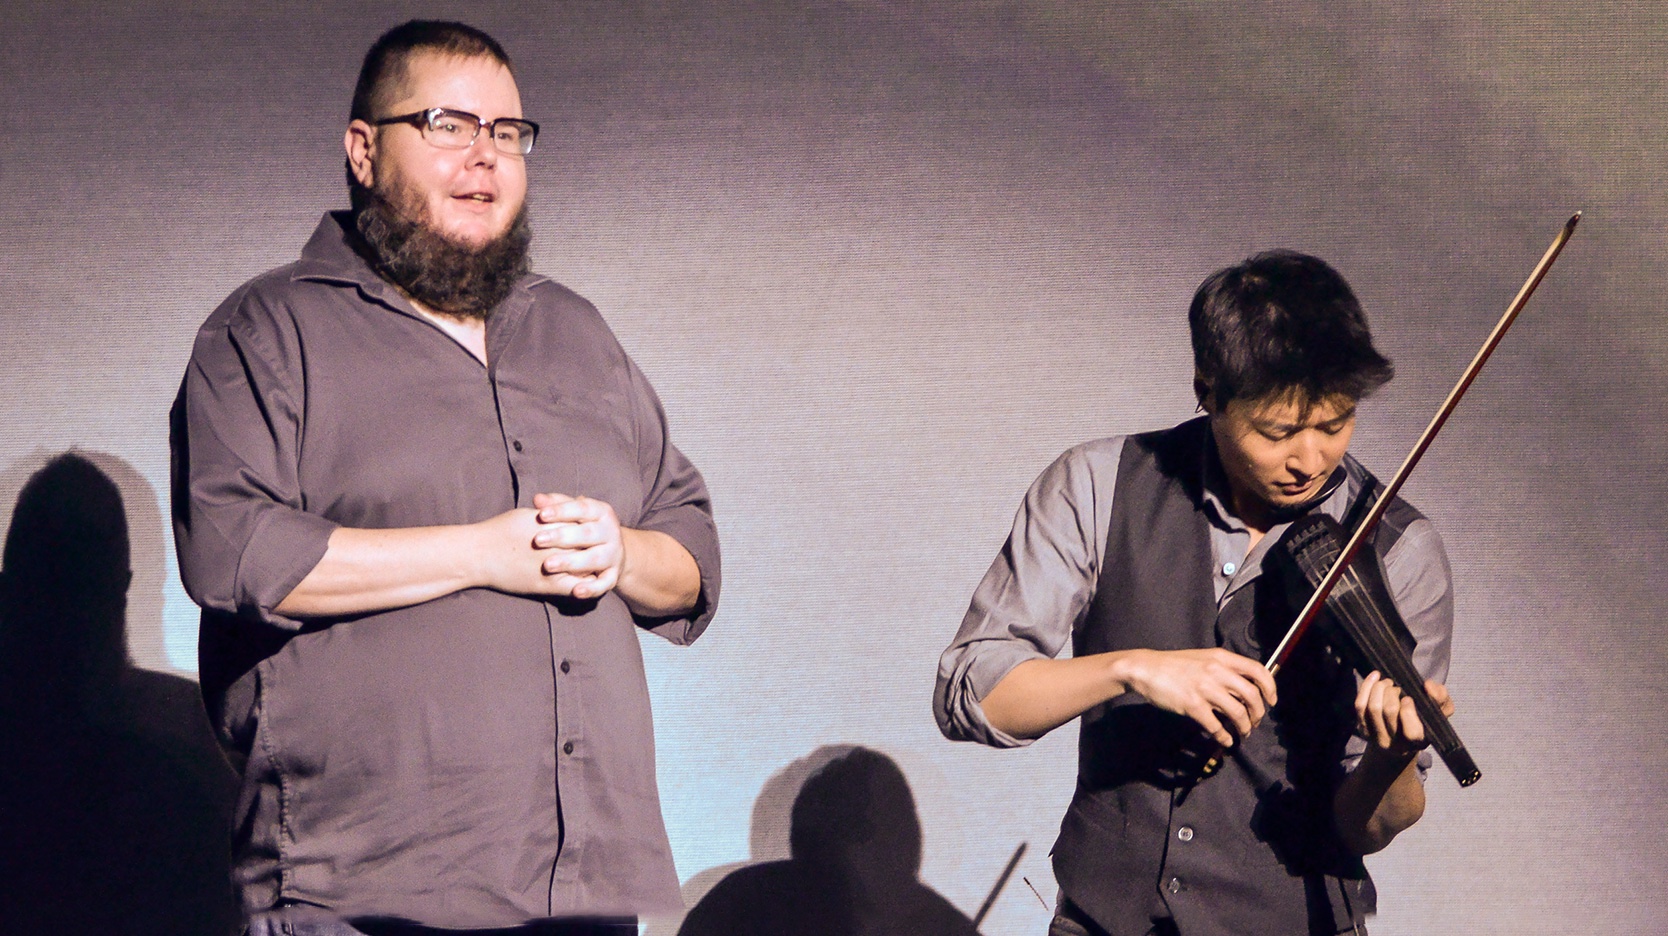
x=884 y=261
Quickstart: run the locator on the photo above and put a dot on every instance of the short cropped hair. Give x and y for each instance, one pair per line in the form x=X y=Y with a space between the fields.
x=1282 y=323
x=385 y=65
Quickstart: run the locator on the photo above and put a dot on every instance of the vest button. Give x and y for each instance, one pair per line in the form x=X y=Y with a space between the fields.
x=1174 y=885
x=567 y=748
x=1185 y=833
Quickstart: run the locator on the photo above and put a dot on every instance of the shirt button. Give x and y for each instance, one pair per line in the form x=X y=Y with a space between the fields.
x=565 y=666
x=567 y=748
x=1185 y=833
x=1174 y=885
x=1227 y=567
x=516 y=445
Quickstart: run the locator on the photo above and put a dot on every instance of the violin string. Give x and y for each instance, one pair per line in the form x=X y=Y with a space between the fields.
x=1377 y=637
x=1391 y=659
x=1378 y=640
x=1393 y=663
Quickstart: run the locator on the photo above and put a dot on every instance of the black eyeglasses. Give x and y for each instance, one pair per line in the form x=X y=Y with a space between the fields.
x=455 y=129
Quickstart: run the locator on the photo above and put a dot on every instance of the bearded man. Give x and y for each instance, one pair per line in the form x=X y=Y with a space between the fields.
x=426 y=501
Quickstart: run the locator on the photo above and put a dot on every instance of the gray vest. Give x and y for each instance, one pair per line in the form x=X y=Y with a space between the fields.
x=1250 y=849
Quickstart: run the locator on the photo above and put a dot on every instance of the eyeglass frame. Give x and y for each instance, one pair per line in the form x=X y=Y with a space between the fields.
x=423 y=120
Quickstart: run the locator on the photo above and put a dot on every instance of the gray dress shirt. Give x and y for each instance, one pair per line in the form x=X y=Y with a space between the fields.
x=478 y=760
x=1040 y=586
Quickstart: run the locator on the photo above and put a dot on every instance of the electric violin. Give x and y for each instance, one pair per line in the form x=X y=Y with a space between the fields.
x=1369 y=632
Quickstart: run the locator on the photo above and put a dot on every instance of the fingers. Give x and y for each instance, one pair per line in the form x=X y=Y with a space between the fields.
x=1206 y=717
x=1239 y=689
x=581 y=537
x=578 y=557
x=1388 y=719
x=1259 y=676
x=1378 y=710
x=1411 y=728
x=589 y=561
x=1226 y=694
x=541 y=501
x=1230 y=703
x=583 y=586
x=559 y=508
x=558 y=535
x=1363 y=698
x=1439 y=694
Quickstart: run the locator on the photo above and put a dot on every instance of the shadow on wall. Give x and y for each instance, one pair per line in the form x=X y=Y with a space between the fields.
x=851 y=865
x=115 y=802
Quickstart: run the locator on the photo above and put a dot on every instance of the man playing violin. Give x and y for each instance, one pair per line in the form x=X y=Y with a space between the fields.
x=1148 y=551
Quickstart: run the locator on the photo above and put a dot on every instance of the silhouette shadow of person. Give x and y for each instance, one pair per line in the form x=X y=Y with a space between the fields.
x=855 y=858
x=115 y=804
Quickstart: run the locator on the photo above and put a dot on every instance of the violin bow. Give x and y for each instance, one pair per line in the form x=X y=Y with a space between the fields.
x=1001 y=882
x=1365 y=528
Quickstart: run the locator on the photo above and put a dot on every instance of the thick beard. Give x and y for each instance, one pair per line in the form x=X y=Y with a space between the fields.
x=441 y=274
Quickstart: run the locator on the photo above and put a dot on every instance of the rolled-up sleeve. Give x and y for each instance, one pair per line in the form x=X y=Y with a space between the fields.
x=1035 y=593
x=243 y=537
x=1422 y=586
x=676 y=503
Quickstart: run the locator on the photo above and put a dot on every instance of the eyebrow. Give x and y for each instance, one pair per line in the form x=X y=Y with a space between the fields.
x=1294 y=427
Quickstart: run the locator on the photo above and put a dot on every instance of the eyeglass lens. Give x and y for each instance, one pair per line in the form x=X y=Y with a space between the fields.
x=457 y=130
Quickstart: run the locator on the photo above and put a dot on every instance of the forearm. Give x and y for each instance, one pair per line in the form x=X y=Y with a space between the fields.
x=1040 y=695
x=374 y=570
x=658 y=577
x=1379 y=800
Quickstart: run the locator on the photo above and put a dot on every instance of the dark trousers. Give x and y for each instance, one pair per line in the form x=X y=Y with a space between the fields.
x=1071 y=921
x=312 y=921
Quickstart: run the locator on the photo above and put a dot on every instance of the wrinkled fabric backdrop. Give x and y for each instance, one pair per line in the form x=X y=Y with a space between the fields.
x=884 y=261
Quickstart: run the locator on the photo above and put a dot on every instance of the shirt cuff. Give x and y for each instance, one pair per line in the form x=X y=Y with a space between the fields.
x=1356 y=746
x=968 y=674
x=286 y=545
x=693 y=530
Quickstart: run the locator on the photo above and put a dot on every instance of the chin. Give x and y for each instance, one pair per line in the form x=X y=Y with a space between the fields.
x=1282 y=499
x=470 y=230
x=474 y=236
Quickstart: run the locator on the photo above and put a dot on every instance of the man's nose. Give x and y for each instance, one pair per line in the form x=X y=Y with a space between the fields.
x=483 y=152
x=1307 y=459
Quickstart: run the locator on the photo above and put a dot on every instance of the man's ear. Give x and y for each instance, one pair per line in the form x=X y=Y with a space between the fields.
x=1201 y=392
x=360 y=143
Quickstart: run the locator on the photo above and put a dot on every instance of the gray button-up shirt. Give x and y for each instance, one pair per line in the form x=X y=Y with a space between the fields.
x=1041 y=585
x=478 y=760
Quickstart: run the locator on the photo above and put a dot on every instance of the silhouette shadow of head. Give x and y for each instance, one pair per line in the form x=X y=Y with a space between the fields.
x=63 y=590
x=855 y=853
x=112 y=817
x=857 y=813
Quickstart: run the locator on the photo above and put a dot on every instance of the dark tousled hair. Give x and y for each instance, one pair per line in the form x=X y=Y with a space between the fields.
x=1282 y=322
x=386 y=61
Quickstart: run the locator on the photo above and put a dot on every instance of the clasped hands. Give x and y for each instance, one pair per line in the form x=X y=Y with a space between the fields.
x=565 y=546
x=1228 y=694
